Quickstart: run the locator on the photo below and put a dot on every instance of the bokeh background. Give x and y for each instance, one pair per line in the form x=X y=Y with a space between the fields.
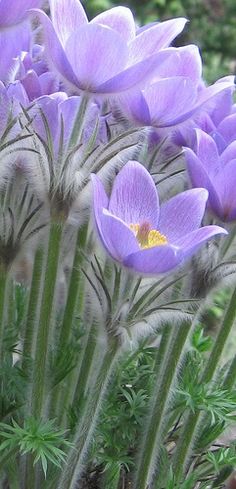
x=212 y=26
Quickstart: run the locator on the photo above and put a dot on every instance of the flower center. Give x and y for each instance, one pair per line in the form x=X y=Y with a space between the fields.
x=147 y=237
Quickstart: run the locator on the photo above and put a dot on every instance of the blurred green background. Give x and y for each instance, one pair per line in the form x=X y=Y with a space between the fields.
x=212 y=27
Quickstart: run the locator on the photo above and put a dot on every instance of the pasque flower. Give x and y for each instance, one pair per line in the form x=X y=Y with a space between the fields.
x=15 y=33
x=215 y=170
x=105 y=55
x=140 y=234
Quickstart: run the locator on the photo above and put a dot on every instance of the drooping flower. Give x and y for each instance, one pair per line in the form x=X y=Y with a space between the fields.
x=215 y=170
x=105 y=55
x=140 y=234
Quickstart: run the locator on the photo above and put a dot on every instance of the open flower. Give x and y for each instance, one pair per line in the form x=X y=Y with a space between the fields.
x=105 y=55
x=140 y=234
x=215 y=171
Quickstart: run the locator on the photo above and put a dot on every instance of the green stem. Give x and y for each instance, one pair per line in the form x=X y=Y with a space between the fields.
x=3 y=288
x=87 y=425
x=46 y=307
x=32 y=308
x=189 y=431
x=78 y=124
x=155 y=421
x=85 y=366
x=73 y=290
x=230 y=377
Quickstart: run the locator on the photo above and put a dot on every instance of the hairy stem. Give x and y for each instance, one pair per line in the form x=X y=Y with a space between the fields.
x=75 y=290
x=155 y=421
x=85 y=366
x=87 y=425
x=189 y=431
x=32 y=308
x=79 y=121
x=3 y=288
x=45 y=316
x=230 y=377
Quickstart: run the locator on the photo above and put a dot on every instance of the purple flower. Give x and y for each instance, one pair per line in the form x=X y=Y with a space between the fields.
x=140 y=234
x=216 y=171
x=15 y=33
x=105 y=55
x=11 y=15
x=176 y=91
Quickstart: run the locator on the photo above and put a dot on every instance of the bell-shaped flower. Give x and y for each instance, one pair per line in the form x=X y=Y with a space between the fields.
x=15 y=33
x=140 y=234
x=215 y=171
x=105 y=55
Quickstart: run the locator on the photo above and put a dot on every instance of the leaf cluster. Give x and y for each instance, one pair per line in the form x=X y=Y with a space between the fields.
x=41 y=439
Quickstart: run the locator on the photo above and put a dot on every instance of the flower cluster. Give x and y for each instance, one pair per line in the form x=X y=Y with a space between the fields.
x=99 y=119
x=65 y=97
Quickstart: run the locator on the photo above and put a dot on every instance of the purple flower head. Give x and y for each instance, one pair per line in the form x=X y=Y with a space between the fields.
x=15 y=33
x=170 y=100
x=106 y=55
x=209 y=117
x=140 y=234
x=54 y=116
x=215 y=171
x=33 y=73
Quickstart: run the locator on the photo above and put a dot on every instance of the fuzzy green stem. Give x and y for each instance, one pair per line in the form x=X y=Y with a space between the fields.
x=85 y=366
x=3 y=288
x=73 y=290
x=87 y=425
x=190 y=428
x=230 y=377
x=32 y=308
x=155 y=421
x=78 y=124
x=46 y=307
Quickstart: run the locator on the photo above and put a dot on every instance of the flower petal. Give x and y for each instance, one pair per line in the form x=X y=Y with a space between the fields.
x=13 y=14
x=225 y=183
x=190 y=243
x=117 y=237
x=119 y=19
x=200 y=178
x=222 y=106
x=54 y=51
x=227 y=128
x=169 y=99
x=228 y=154
x=134 y=105
x=67 y=16
x=184 y=61
x=183 y=213
x=159 y=259
x=157 y=37
x=97 y=53
x=207 y=152
x=31 y=85
x=12 y=41
x=136 y=75
x=134 y=198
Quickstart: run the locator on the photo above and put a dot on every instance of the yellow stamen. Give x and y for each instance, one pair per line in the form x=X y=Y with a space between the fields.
x=146 y=237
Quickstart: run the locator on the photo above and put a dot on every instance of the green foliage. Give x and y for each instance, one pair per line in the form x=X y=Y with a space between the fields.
x=41 y=439
x=122 y=417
